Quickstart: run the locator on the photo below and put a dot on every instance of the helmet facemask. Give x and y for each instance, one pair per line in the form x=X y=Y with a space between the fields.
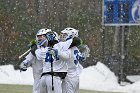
x=41 y=40
x=41 y=36
x=52 y=38
x=63 y=36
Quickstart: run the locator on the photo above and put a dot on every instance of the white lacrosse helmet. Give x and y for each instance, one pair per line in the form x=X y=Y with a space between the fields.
x=68 y=33
x=43 y=31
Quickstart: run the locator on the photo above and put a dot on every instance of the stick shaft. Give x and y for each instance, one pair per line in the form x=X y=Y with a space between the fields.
x=24 y=53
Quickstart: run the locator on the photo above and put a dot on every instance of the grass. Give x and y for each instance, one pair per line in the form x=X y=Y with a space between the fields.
x=5 y=88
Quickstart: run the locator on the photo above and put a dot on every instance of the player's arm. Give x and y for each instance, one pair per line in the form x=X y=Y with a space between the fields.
x=41 y=53
x=27 y=62
x=57 y=53
x=65 y=55
x=38 y=54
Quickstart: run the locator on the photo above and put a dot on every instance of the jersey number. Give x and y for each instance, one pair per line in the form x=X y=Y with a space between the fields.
x=50 y=57
x=77 y=57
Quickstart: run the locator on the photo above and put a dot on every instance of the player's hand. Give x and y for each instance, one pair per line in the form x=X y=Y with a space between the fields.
x=53 y=52
x=85 y=51
x=23 y=66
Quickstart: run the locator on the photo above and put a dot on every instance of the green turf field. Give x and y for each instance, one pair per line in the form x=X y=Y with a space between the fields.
x=4 y=88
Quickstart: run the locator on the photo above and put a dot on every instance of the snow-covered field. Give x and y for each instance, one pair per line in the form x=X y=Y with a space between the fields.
x=97 y=77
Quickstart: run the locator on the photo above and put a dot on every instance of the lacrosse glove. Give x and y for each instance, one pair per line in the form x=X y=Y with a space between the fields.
x=23 y=66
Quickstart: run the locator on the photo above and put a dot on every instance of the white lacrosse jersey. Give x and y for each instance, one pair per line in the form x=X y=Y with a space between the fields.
x=59 y=65
x=74 y=67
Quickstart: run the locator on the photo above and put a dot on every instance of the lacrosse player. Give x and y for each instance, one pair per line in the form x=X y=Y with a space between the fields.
x=31 y=59
x=54 y=65
x=71 y=82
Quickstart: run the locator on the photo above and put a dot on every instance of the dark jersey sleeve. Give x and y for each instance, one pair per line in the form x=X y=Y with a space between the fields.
x=33 y=48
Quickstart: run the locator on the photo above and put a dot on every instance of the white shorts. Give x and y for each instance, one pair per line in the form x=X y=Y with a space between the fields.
x=46 y=84
x=36 y=86
x=70 y=85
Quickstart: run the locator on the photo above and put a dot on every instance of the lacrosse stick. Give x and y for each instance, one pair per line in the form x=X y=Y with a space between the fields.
x=24 y=53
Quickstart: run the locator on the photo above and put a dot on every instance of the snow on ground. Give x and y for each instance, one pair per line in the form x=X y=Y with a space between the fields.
x=10 y=76
x=97 y=77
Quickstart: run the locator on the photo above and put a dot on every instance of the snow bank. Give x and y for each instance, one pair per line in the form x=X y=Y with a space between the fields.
x=97 y=77
x=10 y=76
